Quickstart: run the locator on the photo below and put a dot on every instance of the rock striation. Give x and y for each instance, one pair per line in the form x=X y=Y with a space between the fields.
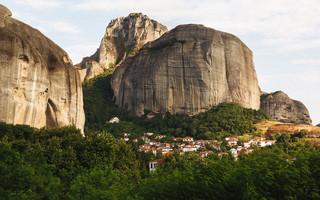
x=284 y=109
x=39 y=85
x=124 y=37
x=187 y=71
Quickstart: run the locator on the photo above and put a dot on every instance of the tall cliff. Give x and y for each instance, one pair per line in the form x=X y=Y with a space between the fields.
x=187 y=70
x=39 y=85
x=284 y=109
x=124 y=37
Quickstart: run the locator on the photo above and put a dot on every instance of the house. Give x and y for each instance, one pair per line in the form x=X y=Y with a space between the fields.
x=146 y=150
x=125 y=139
x=231 y=138
x=114 y=120
x=222 y=154
x=234 y=151
x=145 y=139
x=155 y=143
x=189 y=148
x=160 y=136
x=178 y=138
x=187 y=139
x=148 y=134
x=153 y=164
x=270 y=142
x=167 y=153
x=146 y=146
x=125 y=134
x=205 y=153
x=169 y=145
x=232 y=142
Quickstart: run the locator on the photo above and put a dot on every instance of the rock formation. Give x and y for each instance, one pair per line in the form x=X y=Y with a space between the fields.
x=187 y=70
x=280 y=107
x=124 y=37
x=39 y=85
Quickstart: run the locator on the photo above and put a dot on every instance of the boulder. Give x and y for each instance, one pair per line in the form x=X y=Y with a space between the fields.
x=284 y=109
x=124 y=37
x=39 y=85
x=187 y=71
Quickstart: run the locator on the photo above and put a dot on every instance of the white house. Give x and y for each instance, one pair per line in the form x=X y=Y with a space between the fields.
x=205 y=153
x=153 y=164
x=114 y=120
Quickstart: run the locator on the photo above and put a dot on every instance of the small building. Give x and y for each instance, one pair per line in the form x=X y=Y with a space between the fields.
x=148 y=134
x=160 y=136
x=177 y=139
x=114 y=120
x=189 y=148
x=231 y=138
x=125 y=139
x=145 y=146
x=187 y=139
x=222 y=154
x=125 y=134
x=153 y=164
x=205 y=154
x=145 y=139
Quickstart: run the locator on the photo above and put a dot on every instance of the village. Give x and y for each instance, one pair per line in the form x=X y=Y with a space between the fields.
x=188 y=144
x=235 y=145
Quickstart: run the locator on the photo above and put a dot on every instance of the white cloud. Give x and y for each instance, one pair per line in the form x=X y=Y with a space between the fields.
x=46 y=26
x=41 y=4
x=285 y=25
x=306 y=62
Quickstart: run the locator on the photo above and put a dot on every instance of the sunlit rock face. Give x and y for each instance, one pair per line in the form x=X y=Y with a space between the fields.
x=39 y=85
x=187 y=70
x=123 y=38
x=284 y=109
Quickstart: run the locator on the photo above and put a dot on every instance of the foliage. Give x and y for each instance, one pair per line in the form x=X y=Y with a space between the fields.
x=61 y=164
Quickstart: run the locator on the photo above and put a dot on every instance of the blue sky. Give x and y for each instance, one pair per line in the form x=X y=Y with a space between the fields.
x=284 y=35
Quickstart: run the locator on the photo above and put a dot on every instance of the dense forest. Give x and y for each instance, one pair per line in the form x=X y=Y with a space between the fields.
x=61 y=164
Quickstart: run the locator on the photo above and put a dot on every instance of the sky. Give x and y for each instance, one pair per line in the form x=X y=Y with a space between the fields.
x=284 y=35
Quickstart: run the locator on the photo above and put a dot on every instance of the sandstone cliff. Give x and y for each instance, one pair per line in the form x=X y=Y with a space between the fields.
x=124 y=37
x=280 y=107
x=187 y=70
x=39 y=85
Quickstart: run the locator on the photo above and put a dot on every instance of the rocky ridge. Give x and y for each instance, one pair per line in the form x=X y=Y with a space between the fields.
x=284 y=109
x=123 y=38
x=187 y=71
x=39 y=85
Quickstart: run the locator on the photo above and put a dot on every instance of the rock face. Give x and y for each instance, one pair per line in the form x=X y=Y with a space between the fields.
x=187 y=70
x=124 y=37
x=280 y=107
x=39 y=85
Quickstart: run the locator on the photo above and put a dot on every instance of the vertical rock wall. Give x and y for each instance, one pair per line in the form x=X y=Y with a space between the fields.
x=39 y=85
x=187 y=70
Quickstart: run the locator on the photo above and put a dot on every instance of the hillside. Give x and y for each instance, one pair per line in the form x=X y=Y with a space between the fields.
x=220 y=121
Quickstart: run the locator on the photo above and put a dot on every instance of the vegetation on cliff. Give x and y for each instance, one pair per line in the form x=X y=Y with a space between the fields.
x=223 y=120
